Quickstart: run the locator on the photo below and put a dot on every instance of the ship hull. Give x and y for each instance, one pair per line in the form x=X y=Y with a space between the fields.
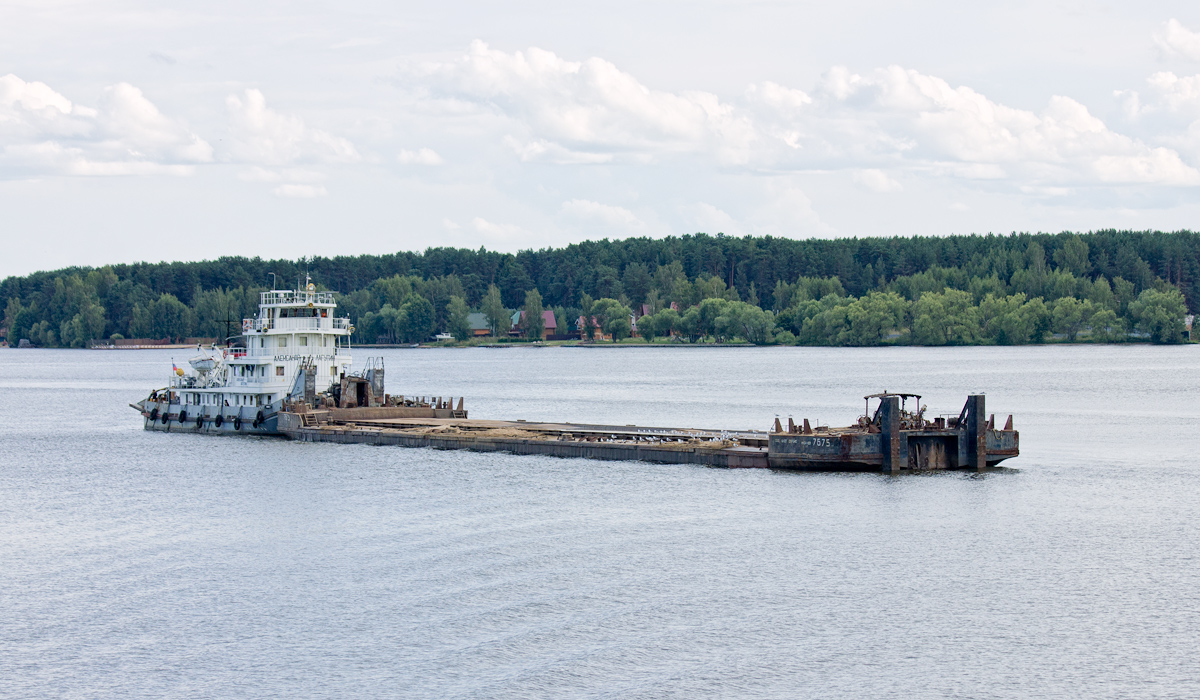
x=163 y=417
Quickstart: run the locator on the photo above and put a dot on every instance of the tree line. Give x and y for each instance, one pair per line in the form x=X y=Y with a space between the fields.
x=1005 y=289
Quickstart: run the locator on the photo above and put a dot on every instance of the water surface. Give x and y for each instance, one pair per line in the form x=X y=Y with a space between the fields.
x=138 y=564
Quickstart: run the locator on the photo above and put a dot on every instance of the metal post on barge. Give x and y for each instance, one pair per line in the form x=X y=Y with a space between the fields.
x=895 y=444
x=976 y=431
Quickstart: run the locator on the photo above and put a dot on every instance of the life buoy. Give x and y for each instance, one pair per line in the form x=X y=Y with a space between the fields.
x=183 y=416
x=237 y=422
x=154 y=414
x=220 y=420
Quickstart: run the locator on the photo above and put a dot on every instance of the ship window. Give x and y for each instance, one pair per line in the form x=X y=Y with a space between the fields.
x=304 y=340
x=278 y=371
x=282 y=342
x=333 y=371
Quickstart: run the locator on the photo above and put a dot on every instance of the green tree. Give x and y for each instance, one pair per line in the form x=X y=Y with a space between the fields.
x=1160 y=314
x=647 y=327
x=457 y=321
x=710 y=309
x=1013 y=320
x=1071 y=315
x=948 y=318
x=666 y=322
x=613 y=317
x=746 y=320
x=637 y=282
x=170 y=318
x=1106 y=326
x=218 y=313
x=415 y=320
x=1072 y=256
x=494 y=311
x=586 y=306
x=533 y=324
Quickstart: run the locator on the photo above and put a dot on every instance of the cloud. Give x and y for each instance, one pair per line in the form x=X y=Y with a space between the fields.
x=607 y=214
x=877 y=181
x=43 y=132
x=297 y=191
x=587 y=106
x=892 y=119
x=1177 y=40
x=549 y=152
x=423 y=156
x=498 y=232
x=263 y=136
x=708 y=218
x=903 y=116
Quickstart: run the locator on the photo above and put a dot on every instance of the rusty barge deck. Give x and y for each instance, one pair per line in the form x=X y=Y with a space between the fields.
x=891 y=441
x=606 y=442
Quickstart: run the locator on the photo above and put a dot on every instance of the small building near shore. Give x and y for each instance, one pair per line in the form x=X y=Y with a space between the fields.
x=549 y=324
x=479 y=325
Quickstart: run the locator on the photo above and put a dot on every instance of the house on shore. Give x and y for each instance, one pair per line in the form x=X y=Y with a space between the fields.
x=549 y=324
x=479 y=325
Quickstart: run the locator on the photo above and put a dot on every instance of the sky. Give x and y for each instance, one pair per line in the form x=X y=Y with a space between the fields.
x=137 y=131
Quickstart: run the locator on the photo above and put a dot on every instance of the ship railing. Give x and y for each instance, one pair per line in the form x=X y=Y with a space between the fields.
x=288 y=296
x=304 y=324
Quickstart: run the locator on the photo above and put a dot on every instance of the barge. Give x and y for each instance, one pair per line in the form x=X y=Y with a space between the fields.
x=290 y=375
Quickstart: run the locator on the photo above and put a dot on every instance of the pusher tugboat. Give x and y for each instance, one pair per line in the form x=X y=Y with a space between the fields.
x=294 y=341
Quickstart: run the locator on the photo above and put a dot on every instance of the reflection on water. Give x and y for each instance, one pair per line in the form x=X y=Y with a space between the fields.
x=140 y=564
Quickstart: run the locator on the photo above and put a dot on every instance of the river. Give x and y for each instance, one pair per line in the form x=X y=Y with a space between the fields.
x=139 y=564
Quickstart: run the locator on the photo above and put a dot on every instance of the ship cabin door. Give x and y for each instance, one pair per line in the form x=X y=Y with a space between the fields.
x=360 y=393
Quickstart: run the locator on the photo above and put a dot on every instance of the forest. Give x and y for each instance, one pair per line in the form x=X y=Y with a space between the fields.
x=1102 y=286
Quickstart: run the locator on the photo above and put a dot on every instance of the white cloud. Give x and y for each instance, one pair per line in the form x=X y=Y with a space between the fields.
x=895 y=119
x=498 y=233
x=297 y=191
x=44 y=132
x=423 y=156
x=921 y=120
x=607 y=214
x=710 y=219
x=549 y=152
x=777 y=97
x=1177 y=40
x=877 y=181
x=787 y=211
x=132 y=123
x=587 y=106
x=263 y=136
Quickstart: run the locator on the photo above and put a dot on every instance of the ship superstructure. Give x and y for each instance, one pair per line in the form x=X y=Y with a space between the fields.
x=294 y=347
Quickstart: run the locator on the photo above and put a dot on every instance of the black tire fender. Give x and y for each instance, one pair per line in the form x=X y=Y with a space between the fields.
x=237 y=422
x=183 y=416
x=220 y=420
x=154 y=414
x=259 y=419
